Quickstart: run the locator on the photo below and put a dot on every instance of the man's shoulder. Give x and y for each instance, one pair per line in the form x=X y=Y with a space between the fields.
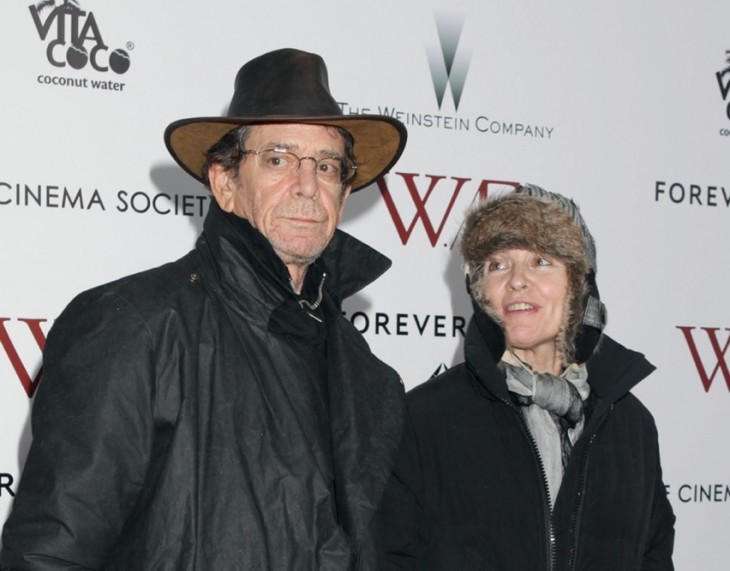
x=148 y=291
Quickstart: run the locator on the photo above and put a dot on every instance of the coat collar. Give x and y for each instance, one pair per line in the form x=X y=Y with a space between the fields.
x=613 y=370
x=252 y=279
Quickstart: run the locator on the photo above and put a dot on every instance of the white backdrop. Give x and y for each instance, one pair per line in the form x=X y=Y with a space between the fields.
x=622 y=106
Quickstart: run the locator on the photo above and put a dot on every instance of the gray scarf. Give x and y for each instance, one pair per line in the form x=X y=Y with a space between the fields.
x=553 y=411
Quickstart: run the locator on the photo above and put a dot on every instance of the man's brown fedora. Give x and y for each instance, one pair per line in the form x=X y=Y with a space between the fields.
x=289 y=86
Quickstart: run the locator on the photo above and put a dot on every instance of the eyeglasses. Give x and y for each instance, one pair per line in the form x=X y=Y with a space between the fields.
x=278 y=163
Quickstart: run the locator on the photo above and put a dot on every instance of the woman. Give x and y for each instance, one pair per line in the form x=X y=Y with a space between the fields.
x=532 y=455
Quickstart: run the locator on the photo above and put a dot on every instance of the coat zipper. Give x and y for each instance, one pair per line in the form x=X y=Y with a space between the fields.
x=551 y=559
x=577 y=509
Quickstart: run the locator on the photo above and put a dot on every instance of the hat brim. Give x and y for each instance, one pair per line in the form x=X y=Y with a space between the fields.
x=379 y=140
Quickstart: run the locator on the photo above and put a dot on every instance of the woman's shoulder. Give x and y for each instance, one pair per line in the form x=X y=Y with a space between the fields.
x=450 y=389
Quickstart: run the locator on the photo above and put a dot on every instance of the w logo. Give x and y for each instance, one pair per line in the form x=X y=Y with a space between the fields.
x=30 y=384
x=435 y=185
x=445 y=66
x=718 y=361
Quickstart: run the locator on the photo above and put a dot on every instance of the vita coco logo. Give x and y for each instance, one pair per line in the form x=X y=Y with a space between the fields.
x=74 y=38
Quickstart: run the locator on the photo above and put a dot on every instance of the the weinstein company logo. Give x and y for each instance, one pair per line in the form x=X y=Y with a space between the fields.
x=449 y=65
x=723 y=80
x=715 y=357
x=74 y=38
x=30 y=383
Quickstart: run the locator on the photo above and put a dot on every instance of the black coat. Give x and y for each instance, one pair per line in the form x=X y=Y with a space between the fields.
x=182 y=422
x=468 y=491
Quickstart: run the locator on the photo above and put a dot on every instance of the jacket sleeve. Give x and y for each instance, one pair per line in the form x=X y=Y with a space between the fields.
x=660 y=542
x=92 y=434
x=401 y=516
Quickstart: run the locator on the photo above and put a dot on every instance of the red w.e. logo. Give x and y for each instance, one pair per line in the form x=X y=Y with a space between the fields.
x=719 y=351
x=30 y=384
x=420 y=198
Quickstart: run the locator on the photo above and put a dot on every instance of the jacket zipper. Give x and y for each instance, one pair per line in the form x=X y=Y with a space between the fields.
x=551 y=559
x=577 y=509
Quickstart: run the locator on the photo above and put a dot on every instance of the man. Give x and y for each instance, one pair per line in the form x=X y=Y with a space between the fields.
x=218 y=412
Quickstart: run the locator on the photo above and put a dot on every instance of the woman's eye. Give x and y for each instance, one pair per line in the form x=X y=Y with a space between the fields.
x=495 y=265
x=543 y=261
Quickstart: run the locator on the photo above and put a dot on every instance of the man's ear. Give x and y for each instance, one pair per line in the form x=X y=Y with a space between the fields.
x=222 y=186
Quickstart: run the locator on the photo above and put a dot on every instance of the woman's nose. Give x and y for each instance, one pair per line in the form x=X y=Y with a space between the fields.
x=518 y=278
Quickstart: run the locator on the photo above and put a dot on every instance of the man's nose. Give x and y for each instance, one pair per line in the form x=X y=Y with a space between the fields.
x=307 y=173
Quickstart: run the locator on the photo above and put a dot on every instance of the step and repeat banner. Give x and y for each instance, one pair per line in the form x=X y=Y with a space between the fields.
x=625 y=107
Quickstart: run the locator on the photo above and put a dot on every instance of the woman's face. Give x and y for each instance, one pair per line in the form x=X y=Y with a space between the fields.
x=528 y=293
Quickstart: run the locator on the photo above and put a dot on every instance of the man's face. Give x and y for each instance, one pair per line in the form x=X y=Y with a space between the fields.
x=298 y=213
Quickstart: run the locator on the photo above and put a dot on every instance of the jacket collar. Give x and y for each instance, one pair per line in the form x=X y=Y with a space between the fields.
x=613 y=370
x=248 y=269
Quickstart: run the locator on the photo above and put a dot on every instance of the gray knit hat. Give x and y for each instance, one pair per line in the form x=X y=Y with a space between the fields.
x=533 y=218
